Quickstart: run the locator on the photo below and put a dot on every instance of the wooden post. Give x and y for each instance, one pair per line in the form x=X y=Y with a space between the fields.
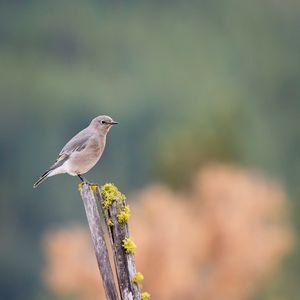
x=93 y=218
x=124 y=261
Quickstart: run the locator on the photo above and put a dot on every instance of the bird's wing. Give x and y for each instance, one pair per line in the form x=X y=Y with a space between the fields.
x=77 y=143
x=61 y=159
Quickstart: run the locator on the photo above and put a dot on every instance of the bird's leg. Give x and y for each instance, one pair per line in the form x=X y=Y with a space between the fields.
x=83 y=180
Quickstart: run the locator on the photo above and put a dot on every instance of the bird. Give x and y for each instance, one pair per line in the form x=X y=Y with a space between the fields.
x=82 y=152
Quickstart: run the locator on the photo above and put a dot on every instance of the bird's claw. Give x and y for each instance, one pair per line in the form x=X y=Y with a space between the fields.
x=93 y=186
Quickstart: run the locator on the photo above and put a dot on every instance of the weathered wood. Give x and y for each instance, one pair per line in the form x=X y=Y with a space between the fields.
x=101 y=252
x=124 y=262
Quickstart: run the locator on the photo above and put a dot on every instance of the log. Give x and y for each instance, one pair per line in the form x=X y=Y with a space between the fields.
x=97 y=234
x=124 y=261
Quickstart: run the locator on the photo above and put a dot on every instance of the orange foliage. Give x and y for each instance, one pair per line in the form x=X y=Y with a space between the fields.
x=218 y=241
x=71 y=264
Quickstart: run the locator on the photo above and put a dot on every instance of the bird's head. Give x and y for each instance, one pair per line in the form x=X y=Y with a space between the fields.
x=103 y=123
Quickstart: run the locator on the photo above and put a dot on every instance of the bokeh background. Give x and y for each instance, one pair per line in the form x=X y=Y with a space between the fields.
x=208 y=99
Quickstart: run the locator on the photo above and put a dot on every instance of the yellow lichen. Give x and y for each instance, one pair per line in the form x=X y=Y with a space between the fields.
x=110 y=193
x=124 y=214
x=138 y=278
x=129 y=245
x=145 y=296
x=93 y=187
x=80 y=186
x=110 y=222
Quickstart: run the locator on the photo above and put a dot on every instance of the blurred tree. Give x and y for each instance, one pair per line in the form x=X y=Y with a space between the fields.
x=189 y=82
x=220 y=240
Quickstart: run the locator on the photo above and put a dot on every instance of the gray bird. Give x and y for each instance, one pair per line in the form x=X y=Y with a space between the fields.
x=82 y=152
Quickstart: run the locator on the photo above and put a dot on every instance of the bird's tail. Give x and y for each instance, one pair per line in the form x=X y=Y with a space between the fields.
x=42 y=178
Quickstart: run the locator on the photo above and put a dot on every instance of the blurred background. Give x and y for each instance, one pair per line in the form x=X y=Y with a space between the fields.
x=207 y=151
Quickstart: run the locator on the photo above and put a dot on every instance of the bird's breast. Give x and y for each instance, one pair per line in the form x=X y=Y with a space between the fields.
x=96 y=147
x=82 y=161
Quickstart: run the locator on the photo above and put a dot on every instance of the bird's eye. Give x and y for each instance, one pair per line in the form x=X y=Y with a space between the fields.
x=103 y=122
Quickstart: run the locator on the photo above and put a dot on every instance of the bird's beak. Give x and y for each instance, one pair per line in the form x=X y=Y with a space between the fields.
x=113 y=123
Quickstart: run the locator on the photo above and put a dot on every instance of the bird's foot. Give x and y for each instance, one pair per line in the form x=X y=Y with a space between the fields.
x=93 y=186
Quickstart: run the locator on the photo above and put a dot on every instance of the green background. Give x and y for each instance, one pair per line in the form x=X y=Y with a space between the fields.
x=188 y=81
